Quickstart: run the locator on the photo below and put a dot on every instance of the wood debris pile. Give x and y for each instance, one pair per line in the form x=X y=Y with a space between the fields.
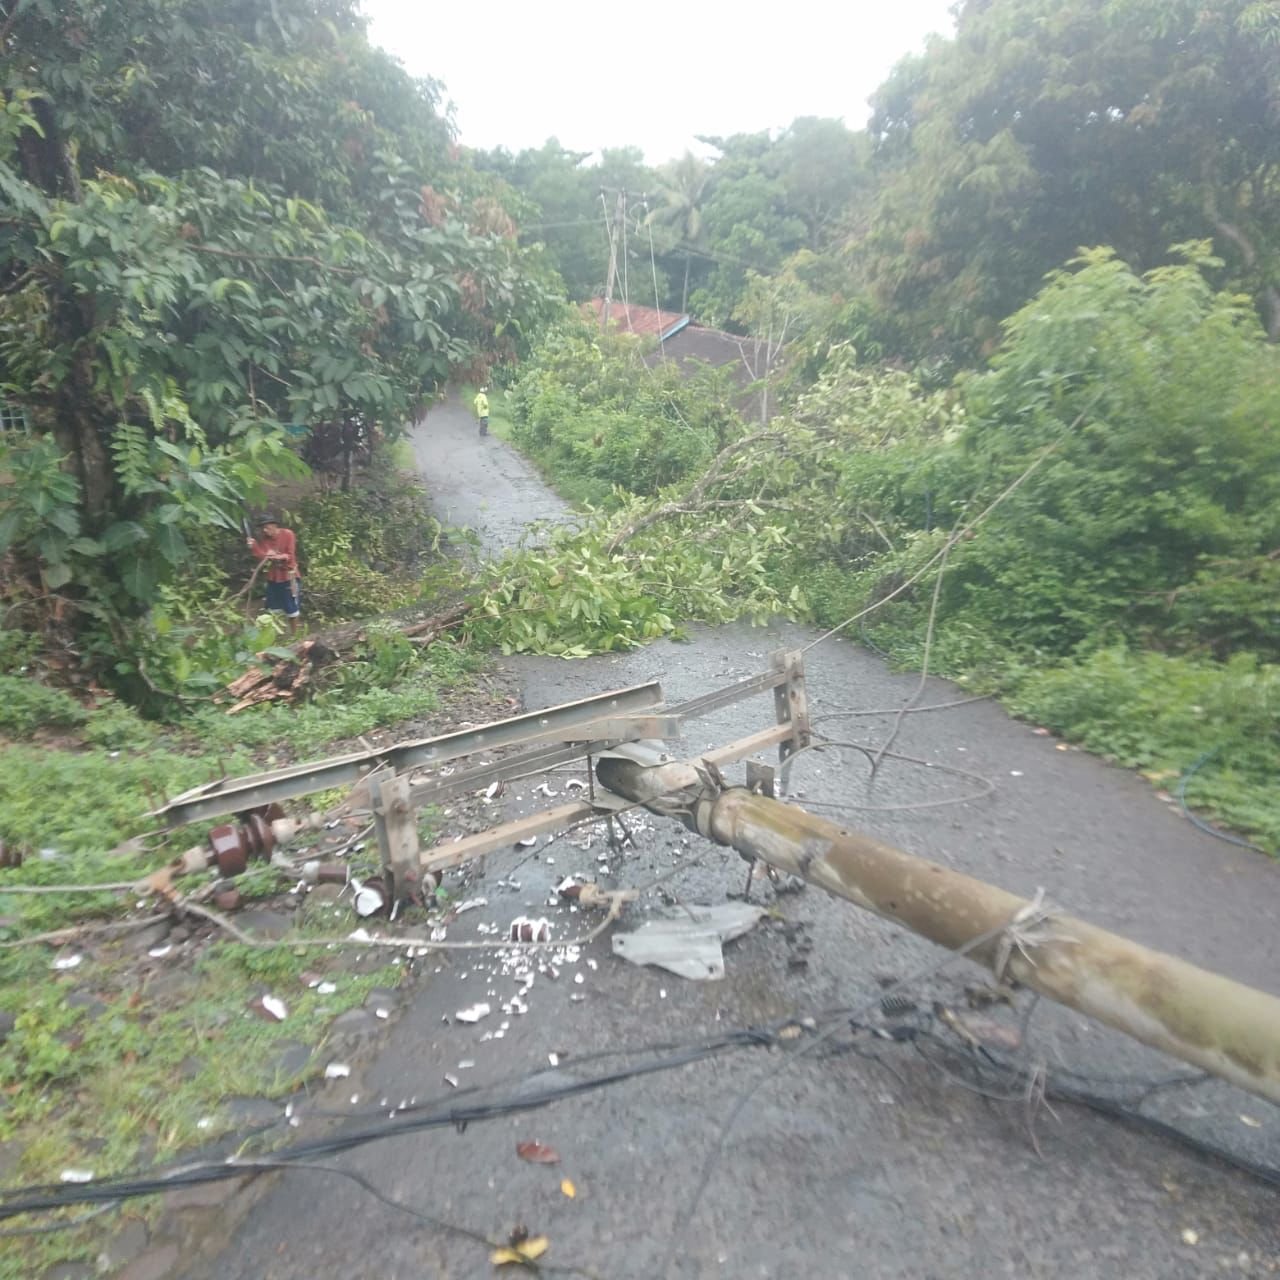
x=281 y=681
x=287 y=679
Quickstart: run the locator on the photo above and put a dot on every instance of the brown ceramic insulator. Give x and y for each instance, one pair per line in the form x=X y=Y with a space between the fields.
x=229 y=849
x=259 y=836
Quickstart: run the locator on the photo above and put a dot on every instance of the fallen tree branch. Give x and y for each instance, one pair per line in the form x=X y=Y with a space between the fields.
x=72 y=932
x=305 y=260
x=693 y=500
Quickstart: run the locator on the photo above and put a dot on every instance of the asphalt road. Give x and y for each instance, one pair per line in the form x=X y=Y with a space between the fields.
x=875 y=1162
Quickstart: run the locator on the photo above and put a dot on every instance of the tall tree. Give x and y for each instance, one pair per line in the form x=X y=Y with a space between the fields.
x=221 y=220
x=682 y=190
x=1050 y=124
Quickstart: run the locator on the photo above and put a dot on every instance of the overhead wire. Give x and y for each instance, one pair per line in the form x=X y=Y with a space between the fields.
x=956 y=534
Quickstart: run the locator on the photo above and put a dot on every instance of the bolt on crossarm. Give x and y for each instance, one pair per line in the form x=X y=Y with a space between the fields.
x=1212 y=1022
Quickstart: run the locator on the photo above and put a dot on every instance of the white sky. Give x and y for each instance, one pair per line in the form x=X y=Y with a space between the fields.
x=606 y=75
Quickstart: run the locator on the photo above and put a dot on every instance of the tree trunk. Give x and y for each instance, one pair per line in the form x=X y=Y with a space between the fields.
x=1269 y=292
x=75 y=411
x=684 y=297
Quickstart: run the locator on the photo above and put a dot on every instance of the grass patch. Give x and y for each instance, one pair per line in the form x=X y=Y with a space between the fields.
x=105 y=1071
x=1164 y=715
x=117 y=1063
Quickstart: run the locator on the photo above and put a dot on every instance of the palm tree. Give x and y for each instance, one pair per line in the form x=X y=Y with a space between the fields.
x=683 y=189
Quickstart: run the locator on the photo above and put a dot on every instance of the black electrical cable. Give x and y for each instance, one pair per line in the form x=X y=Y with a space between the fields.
x=477 y=1104
x=410 y=1119
x=994 y=1063
x=1199 y=823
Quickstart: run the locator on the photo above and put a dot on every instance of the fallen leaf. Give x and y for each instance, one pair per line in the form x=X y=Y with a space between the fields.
x=537 y=1153
x=567 y=1188
x=526 y=1251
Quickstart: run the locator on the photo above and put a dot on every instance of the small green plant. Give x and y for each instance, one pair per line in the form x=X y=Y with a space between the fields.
x=26 y=706
x=17 y=649
x=1162 y=714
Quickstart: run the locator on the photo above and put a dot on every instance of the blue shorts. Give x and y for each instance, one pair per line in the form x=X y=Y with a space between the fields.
x=281 y=599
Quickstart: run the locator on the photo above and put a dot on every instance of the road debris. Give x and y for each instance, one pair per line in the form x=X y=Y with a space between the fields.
x=568 y=1189
x=524 y=929
x=271 y=1008
x=337 y=1071
x=369 y=899
x=474 y=1012
x=689 y=946
x=524 y=1250
x=282 y=681
x=537 y=1153
x=72 y=961
x=76 y=1175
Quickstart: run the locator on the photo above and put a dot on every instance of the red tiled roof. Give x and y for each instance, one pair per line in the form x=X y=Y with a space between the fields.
x=636 y=319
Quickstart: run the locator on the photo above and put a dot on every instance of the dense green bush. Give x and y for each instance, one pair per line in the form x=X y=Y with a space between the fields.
x=590 y=412
x=1159 y=397
x=359 y=552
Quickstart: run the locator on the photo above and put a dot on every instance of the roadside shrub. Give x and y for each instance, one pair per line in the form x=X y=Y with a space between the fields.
x=596 y=419
x=17 y=648
x=359 y=551
x=1163 y=714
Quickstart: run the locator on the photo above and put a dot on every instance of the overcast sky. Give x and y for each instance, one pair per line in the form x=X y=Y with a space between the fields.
x=654 y=75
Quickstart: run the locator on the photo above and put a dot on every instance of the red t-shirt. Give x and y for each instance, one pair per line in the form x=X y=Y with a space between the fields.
x=283 y=543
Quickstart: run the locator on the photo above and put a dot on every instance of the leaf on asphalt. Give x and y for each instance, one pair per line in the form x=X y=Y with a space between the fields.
x=529 y=1250
x=537 y=1153
x=567 y=1188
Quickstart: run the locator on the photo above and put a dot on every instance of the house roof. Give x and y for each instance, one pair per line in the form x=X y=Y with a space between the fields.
x=713 y=346
x=646 y=321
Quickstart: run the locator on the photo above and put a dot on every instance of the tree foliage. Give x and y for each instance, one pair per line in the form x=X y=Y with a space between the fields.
x=1050 y=124
x=223 y=220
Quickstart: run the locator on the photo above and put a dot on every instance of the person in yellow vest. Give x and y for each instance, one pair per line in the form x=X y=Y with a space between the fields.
x=482 y=409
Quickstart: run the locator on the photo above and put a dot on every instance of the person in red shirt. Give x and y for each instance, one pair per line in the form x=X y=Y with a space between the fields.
x=279 y=548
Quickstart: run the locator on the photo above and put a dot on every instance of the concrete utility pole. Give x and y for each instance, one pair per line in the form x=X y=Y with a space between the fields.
x=614 y=231
x=1219 y=1025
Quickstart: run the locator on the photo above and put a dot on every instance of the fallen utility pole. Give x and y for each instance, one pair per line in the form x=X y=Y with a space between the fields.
x=1219 y=1025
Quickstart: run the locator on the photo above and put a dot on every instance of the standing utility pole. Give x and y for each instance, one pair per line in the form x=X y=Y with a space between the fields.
x=619 y=212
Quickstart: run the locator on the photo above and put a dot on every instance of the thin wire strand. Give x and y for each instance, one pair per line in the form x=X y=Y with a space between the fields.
x=909 y=710
x=684 y=1220
x=924 y=664
x=1043 y=456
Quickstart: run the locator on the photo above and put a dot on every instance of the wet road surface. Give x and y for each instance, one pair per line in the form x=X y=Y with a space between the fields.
x=876 y=1162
